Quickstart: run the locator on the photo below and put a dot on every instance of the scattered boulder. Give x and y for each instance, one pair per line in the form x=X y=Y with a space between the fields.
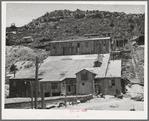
x=60 y=105
x=138 y=98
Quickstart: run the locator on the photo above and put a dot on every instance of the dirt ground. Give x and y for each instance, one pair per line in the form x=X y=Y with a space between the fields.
x=109 y=103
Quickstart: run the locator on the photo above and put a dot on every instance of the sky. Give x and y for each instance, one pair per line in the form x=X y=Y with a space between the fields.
x=23 y=13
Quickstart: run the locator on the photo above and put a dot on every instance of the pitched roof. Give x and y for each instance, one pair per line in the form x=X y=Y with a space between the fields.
x=114 y=69
x=91 y=70
x=57 y=68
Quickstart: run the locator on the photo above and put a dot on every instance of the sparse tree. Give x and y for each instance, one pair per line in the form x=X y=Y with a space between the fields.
x=13 y=69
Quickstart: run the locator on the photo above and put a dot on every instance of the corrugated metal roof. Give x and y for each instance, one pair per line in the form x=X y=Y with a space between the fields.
x=54 y=67
x=83 y=39
x=114 y=69
x=57 y=68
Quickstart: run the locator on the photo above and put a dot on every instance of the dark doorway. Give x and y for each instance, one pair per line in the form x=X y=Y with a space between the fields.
x=47 y=94
x=99 y=89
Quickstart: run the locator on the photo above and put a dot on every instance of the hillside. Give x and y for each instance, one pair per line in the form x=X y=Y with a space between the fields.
x=23 y=57
x=65 y=24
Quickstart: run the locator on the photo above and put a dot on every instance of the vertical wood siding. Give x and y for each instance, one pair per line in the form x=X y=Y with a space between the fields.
x=85 y=86
x=85 y=47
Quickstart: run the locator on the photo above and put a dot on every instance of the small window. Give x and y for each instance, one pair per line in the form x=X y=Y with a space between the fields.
x=104 y=44
x=53 y=46
x=113 y=82
x=78 y=44
x=83 y=84
x=84 y=76
x=69 y=88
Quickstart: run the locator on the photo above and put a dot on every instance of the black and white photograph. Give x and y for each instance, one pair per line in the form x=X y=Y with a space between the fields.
x=74 y=60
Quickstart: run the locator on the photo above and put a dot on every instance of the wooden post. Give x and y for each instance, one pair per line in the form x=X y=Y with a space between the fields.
x=42 y=97
x=65 y=96
x=36 y=82
x=93 y=87
x=31 y=87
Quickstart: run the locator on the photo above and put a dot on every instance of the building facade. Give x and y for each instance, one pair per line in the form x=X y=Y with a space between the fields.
x=71 y=75
x=79 y=47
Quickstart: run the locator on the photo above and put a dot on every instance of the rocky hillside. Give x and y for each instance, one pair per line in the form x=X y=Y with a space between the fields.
x=23 y=57
x=65 y=24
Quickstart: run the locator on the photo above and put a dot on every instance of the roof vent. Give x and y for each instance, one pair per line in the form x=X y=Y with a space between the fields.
x=98 y=61
x=97 y=64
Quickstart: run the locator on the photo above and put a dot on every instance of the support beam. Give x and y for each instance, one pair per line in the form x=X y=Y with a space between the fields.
x=36 y=82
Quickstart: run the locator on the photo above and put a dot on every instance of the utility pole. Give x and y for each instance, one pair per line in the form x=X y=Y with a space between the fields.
x=36 y=82
x=76 y=92
x=31 y=87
